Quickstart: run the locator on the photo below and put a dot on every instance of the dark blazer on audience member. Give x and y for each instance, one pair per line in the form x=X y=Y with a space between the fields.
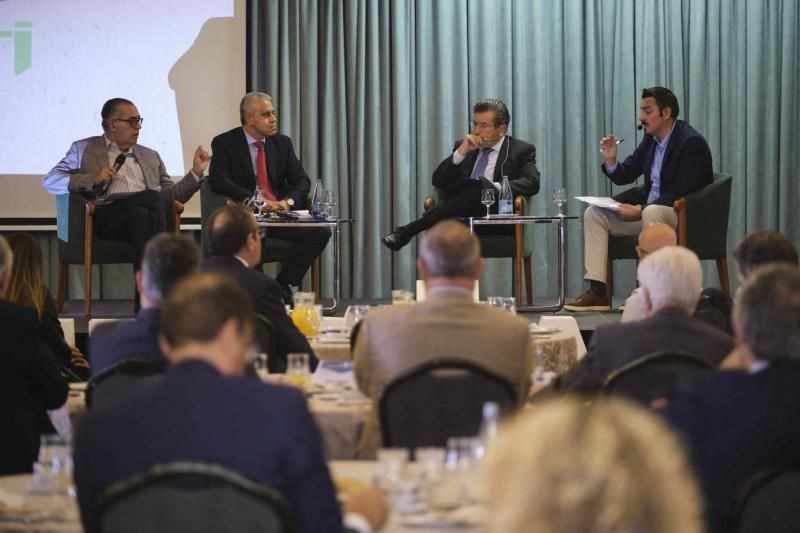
x=138 y=338
x=265 y=293
x=669 y=329
x=30 y=383
x=735 y=424
x=265 y=432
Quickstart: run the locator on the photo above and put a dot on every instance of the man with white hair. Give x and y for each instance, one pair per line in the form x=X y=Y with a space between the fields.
x=671 y=280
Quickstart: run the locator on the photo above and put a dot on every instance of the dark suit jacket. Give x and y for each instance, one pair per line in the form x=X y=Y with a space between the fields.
x=265 y=293
x=231 y=172
x=30 y=383
x=669 y=329
x=517 y=160
x=263 y=431
x=736 y=424
x=686 y=167
x=116 y=341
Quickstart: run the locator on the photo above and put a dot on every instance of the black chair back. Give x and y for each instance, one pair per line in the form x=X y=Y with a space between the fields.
x=770 y=503
x=196 y=497
x=437 y=400
x=122 y=378
x=650 y=377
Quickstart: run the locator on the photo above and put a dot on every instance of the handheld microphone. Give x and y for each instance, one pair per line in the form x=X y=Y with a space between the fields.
x=640 y=126
x=118 y=162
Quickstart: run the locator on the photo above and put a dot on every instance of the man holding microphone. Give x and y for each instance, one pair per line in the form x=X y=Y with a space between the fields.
x=479 y=161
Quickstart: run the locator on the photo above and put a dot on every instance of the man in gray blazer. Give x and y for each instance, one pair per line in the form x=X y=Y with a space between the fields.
x=448 y=324
x=130 y=181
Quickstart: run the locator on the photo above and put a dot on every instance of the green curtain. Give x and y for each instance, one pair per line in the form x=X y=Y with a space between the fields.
x=374 y=92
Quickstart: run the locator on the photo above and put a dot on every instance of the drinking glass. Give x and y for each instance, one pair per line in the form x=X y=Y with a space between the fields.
x=487 y=199
x=354 y=314
x=402 y=297
x=258 y=201
x=52 y=471
x=260 y=365
x=560 y=199
x=330 y=203
x=298 y=370
x=509 y=304
x=495 y=301
x=303 y=312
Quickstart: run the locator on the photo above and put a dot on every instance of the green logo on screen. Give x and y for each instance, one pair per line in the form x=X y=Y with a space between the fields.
x=23 y=45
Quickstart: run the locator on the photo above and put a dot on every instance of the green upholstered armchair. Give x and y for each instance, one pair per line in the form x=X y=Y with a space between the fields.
x=275 y=250
x=518 y=246
x=78 y=245
x=702 y=227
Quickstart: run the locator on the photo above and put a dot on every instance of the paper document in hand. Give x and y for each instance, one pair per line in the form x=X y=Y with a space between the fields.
x=600 y=201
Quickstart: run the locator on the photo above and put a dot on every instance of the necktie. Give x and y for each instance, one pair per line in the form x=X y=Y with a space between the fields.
x=261 y=167
x=480 y=166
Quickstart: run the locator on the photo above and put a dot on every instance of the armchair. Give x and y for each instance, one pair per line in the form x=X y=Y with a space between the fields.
x=518 y=246
x=77 y=244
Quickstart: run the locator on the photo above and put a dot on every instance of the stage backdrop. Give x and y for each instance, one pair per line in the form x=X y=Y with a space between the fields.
x=374 y=92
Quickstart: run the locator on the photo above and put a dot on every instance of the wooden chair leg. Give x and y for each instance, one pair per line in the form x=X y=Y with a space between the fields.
x=610 y=279
x=528 y=280
x=722 y=269
x=63 y=280
x=88 y=251
x=315 y=276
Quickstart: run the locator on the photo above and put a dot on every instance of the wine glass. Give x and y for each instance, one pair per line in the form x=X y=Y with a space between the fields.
x=258 y=201
x=560 y=199
x=487 y=199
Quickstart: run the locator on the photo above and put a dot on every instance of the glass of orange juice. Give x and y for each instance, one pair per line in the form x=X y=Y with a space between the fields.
x=303 y=312
x=402 y=297
x=298 y=371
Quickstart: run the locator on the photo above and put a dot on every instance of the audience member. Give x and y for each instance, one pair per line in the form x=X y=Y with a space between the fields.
x=675 y=160
x=254 y=157
x=168 y=258
x=737 y=423
x=479 y=161
x=235 y=251
x=447 y=324
x=130 y=176
x=204 y=410
x=30 y=379
x=608 y=466
x=28 y=289
x=670 y=279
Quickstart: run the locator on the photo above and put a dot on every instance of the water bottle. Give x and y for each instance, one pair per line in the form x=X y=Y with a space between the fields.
x=317 y=200
x=506 y=198
x=488 y=430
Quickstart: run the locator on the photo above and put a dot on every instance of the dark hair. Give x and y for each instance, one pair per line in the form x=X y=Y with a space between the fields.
x=110 y=109
x=664 y=98
x=501 y=115
x=199 y=306
x=168 y=258
x=26 y=286
x=767 y=311
x=763 y=247
x=228 y=228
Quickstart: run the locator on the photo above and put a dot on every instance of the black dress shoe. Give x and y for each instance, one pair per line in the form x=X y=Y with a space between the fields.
x=396 y=240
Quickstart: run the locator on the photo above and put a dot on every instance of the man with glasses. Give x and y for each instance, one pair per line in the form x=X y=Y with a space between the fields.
x=479 y=161
x=129 y=180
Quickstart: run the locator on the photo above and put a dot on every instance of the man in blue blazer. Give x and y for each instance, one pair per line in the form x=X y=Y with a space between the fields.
x=205 y=410
x=739 y=422
x=479 y=161
x=168 y=258
x=235 y=248
x=255 y=156
x=675 y=160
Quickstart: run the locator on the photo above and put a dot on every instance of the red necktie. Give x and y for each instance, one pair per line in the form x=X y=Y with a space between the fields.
x=263 y=177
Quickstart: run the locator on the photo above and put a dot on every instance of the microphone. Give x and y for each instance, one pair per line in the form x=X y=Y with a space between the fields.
x=118 y=162
x=640 y=126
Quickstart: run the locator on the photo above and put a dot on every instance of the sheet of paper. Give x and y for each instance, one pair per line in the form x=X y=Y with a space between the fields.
x=599 y=201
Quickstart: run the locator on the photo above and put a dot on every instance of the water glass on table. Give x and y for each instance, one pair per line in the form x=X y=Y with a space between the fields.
x=52 y=472
x=354 y=314
x=329 y=203
x=560 y=199
x=487 y=199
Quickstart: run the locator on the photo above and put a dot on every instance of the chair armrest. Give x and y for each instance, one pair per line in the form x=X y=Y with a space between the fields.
x=177 y=211
x=679 y=206
x=519 y=205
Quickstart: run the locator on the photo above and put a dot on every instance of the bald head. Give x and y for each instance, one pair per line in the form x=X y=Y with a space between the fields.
x=654 y=236
x=450 y=251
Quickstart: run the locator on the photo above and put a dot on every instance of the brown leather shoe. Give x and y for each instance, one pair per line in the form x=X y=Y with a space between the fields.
x=589 y=301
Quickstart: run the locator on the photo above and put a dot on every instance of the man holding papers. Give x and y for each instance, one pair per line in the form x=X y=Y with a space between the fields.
x=675 y=160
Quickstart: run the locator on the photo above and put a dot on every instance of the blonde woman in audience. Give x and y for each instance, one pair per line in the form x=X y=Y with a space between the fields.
x=609 y=467
x=27 y=288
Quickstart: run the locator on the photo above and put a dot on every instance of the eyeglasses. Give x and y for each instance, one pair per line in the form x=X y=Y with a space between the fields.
x=133 y=121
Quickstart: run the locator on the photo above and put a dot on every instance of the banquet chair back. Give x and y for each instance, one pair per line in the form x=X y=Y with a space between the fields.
x=650 y=377
x=769 y=502
x=189 y=496
x=437 y=400
x=122 y=378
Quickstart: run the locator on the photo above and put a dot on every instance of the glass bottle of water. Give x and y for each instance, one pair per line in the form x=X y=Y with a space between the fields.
x=318 y=200
x=506 y=198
